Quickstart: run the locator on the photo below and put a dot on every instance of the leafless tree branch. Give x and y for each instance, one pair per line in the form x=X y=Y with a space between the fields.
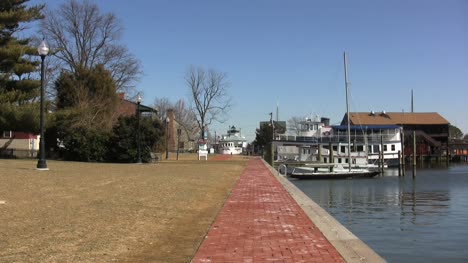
x=84 y=38
x=209 y=95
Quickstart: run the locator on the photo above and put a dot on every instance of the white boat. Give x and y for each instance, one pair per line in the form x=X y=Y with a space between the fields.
x=316 y=171
x=311 y=173
x=232 y=142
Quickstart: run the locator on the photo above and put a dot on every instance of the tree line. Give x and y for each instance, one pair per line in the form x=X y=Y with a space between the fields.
x=86 y=69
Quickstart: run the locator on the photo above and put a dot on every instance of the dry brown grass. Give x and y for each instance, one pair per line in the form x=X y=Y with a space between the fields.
x=86 y=212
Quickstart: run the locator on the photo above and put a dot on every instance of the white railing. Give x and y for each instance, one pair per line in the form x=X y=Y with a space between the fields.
x=371 y=138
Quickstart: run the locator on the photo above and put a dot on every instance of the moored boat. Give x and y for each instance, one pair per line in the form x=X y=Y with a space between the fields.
x=317 y=170
x=311 y=173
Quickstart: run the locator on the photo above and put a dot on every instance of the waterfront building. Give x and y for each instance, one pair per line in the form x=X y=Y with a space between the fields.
x=431 y=129
x=317 y=141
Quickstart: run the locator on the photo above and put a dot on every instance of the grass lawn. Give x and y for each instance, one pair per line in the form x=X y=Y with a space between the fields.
x=90 y=212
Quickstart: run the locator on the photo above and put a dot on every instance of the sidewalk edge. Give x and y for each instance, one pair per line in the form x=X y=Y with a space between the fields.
x=351 y=248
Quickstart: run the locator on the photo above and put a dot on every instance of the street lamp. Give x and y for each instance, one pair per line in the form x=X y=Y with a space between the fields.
x=179 y=131
x=138 y=133
x=167 y=135
x=41 y=162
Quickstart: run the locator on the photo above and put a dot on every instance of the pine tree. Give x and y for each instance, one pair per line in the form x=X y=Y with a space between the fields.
x=19 y=87
x=88 y=95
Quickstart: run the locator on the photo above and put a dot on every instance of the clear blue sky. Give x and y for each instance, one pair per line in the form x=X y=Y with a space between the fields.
x=291 y=53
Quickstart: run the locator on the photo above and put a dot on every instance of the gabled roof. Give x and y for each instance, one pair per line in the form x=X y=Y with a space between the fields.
x=395 y=118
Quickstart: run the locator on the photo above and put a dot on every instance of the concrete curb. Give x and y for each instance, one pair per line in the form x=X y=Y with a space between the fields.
x=351 y=248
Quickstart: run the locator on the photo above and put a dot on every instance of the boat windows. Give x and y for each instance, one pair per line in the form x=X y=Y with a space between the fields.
x=339 y=160
x=385 y=148
x=360 y=148
x=376 y=149
x=393 y=147
x=369 y=149
x=342 y=149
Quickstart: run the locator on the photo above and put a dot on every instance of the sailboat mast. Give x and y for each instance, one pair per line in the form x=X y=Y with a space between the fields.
x=347 y=109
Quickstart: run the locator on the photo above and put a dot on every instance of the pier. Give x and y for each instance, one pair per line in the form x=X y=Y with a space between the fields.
x=459 y=150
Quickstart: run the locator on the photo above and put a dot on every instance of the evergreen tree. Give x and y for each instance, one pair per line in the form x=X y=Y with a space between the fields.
x=123 y=143
x=89 y=95
x=455 y=132
x=18 y=86
x=263 y=136
x=87 y=109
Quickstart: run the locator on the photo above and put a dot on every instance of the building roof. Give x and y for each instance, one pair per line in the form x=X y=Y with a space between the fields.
x=395 y=118
x=364 y=127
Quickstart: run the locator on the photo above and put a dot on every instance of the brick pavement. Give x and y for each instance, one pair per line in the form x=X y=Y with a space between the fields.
x=220 y=157
x=260 y=222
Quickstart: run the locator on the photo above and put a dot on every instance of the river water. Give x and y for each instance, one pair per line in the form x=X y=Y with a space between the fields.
x=403 y=219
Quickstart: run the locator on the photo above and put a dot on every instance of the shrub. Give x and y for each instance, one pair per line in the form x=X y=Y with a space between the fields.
x=123 y=145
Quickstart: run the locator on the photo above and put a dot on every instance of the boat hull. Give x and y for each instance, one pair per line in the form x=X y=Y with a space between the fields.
x=333 y=175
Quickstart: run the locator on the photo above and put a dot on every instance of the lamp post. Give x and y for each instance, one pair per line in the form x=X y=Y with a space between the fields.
x=41 y=162
x=179 y=131
x=138 y=133
x=167 y=135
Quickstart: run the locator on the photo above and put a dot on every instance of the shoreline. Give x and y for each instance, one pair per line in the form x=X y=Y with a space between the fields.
x=351 y=248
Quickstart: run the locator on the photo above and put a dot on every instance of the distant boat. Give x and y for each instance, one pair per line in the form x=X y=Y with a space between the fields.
x=328 y=170
x=232 y=142
x=311 y=173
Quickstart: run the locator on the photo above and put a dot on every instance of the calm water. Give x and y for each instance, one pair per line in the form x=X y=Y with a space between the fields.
x=403 y=220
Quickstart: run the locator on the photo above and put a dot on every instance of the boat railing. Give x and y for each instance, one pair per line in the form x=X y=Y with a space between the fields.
x=337 y=138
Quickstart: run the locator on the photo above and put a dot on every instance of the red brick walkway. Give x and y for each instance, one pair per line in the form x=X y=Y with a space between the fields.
x=221 y=157
x=260 y=222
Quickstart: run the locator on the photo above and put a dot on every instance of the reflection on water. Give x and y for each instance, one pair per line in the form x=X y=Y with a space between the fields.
x=424 y=219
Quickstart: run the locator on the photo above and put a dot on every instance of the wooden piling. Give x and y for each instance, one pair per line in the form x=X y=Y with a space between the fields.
x=399 y=163
x=382 y=153
x=331 y=156
x=403 y=161
x=319 y=153
x=414 y=154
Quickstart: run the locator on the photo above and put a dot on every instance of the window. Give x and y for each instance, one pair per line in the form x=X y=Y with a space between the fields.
x=385 y=148
x=393 y=147
x=335 y=148
x=342 y=149
x=369 y=149
x=7 y=134
x=376 y=149
x=360 y=148
x=339 y=160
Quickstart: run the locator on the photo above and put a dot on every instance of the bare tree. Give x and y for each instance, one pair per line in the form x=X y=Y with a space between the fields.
x=209 y=95
x=82 y=37
x=184 y=116
x=162 y=105
x=294 y=124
